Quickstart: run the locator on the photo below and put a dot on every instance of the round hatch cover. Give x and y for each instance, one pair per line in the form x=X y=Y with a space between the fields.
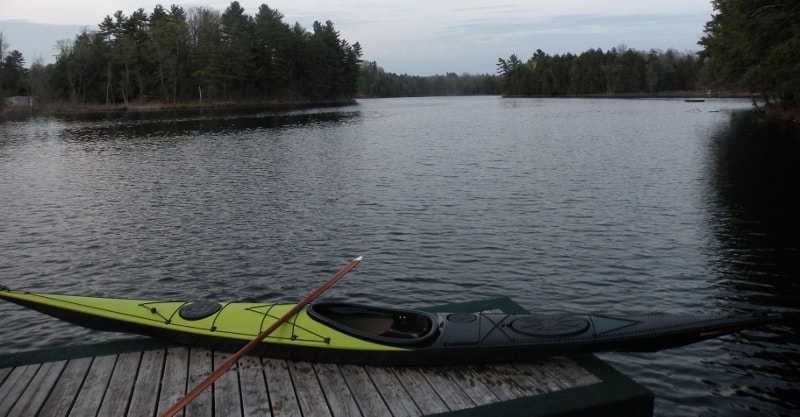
x=550 y=326
x=198 y=310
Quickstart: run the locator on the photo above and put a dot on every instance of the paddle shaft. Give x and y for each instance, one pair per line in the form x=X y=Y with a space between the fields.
x=178 y=406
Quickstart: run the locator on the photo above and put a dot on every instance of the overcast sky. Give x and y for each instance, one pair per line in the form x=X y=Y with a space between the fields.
x=418 y=37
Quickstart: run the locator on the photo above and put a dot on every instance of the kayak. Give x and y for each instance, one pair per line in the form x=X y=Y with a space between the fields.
x=341 y=332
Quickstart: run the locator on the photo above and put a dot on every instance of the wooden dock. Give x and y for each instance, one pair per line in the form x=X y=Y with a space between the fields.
x=147 y=383
x=144 y=377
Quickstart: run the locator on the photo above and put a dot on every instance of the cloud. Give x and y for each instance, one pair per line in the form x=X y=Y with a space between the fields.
x=36 y=40
x=474 y=46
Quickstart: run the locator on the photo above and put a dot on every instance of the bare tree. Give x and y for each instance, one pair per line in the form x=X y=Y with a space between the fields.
x=65 y=51
x=3 y=47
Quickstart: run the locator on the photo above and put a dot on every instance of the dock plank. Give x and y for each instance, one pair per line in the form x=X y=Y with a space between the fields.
x=364 y=391
x=393 y=392
x=515 y=374
x=200 y=366
x=340 y=400
x=284 y=400
x=502 y=388
x=37 y=391
x=420 y=390
x=307 y=387
x=144 y=400
x=173 y=385
x=538 y=376
x=572 y=373
x=441 y=380
x=69 y=385
x=227 y=392
x=18 y=380
x=4 y=373
x=120 y=386
x=552 y=372
x=88 y=400
x=474 y=386
x=255 y=398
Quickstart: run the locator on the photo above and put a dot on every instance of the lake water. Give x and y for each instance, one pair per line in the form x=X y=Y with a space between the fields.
x=566 y=205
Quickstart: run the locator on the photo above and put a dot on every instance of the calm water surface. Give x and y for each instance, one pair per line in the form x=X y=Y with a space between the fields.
x=563 y=205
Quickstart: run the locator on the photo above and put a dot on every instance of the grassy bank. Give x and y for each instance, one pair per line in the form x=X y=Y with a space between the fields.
x=55 y=108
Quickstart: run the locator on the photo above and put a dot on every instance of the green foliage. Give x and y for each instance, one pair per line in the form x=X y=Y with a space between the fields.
x=173 y=55
x=594 y=72
x=271 y=51
x=169 y=36
x=755 y=44
x=13 y=75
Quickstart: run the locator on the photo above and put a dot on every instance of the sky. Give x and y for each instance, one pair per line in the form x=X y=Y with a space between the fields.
x=415 y=37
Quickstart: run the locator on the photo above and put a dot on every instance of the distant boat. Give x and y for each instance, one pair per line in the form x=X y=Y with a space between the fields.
x=694 y=100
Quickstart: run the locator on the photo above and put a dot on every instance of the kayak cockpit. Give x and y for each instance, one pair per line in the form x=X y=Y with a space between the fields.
x=382 y=325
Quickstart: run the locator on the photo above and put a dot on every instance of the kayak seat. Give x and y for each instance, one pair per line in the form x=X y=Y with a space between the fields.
x=405 y=327
x=383 y=325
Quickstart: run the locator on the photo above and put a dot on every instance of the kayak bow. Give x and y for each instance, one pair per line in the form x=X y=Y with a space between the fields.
x=353 y=333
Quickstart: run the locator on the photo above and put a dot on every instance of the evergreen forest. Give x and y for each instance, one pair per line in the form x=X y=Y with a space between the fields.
x=618 y=71
x=177 y=55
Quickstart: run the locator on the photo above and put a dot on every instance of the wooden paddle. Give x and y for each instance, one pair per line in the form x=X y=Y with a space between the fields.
x=178 y=406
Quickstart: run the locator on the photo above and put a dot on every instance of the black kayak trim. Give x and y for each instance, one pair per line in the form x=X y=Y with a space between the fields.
x=486 y=337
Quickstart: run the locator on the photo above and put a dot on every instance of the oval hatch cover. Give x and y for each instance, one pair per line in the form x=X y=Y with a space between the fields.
x=550 y=326
x=198 y=310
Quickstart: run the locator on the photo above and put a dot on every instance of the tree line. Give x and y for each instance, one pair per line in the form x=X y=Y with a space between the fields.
x=175 y=55
x=619 y=70
x=375 y=82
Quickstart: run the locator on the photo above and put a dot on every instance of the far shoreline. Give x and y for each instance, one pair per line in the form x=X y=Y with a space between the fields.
x=662 y=94
x=773 y=112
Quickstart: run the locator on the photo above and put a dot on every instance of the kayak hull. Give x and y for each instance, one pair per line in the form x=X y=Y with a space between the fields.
x=358 y=334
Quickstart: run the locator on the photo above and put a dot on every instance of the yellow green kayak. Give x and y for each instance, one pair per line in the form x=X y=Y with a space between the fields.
x=354 y=333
